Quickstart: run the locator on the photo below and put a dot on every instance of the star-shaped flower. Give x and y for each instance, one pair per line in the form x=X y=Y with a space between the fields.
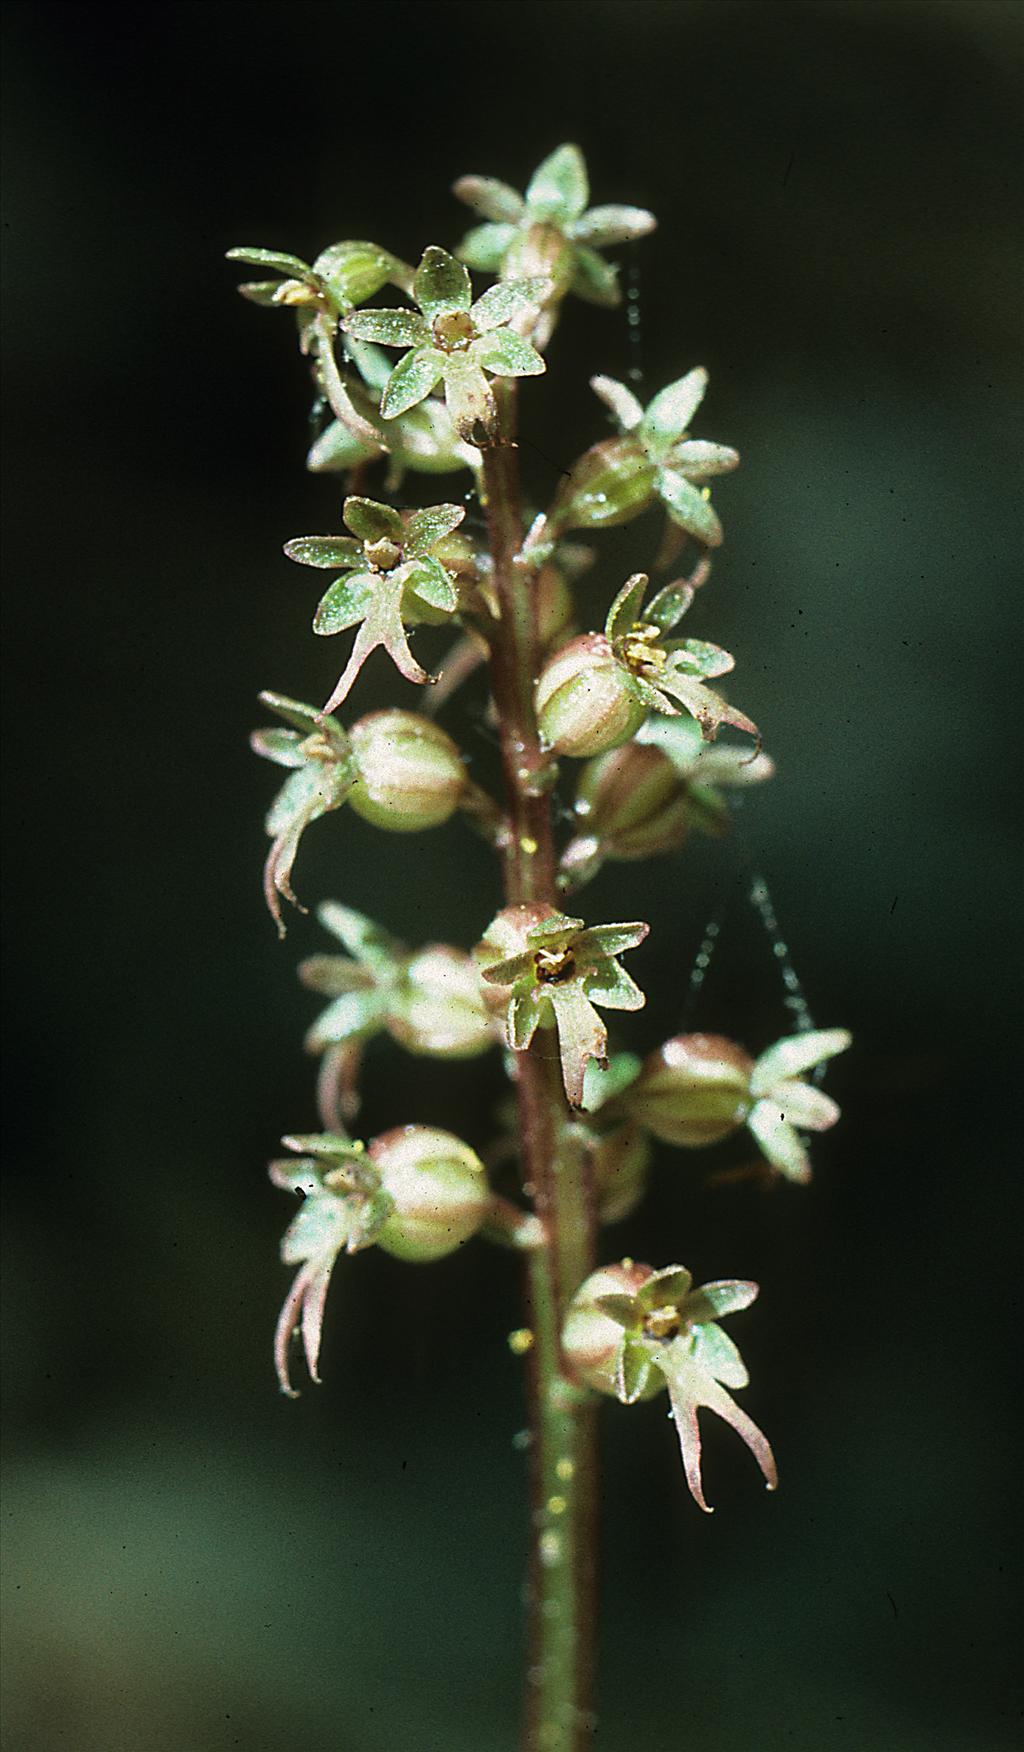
x=422 y=439
x=632 y=1331
x=391 y=575
x=596 y=691
x=455 y=340
x=548 y=230
x=542 y=969
x=654 y=458
x=783 y=1105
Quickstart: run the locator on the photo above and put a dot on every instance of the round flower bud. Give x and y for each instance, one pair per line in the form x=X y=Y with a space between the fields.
x=633 y=801
x=591 y=1339
x=693 y=1090
x=410 y=771
x=621 y=1161
x=585 y=700
x=439 y=1189
x=439 y=1011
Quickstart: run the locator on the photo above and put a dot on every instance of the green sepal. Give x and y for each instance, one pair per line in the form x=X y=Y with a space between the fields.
x=714 y=1301
x=524 y=1017
x=604 y=227
x=715 y=1351
x=300 y=716
x=263 y=292
x=283 y=747
x=327 y=552
x=632 y=1372
x=369 y=1215
x=354 y=1015
x=330 y=1145
x=668 y=607
x=292 y=266
x=506 y=354
x=490 y=198
x=429 y=526
x=365 y=940
x=345 y=603
x=625 y=610
x=602 y=1083
x=669 y=414
x=336 y=450
x=624 y=1310
x=412 y=380
x=428 y=580
x=508 y=299
x=604 y=940
x=668 y=1287
x=441 y=285
x=687 y=506
x=612 y=987
x=388 y=328
x=558 y=189
x=371 y=521
x=797 y=1053
x=699 y=657
x=621 y=401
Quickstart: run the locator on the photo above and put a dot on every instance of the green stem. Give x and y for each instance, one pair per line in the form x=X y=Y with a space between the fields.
x=563 y=1529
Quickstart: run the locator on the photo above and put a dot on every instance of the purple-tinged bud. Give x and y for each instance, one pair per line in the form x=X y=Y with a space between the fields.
x=586 y=700
x=411 y=775
x=694 y=1090
x=591 y=1340
x=628 y=805
x=438 y=1010
x=439 y=1190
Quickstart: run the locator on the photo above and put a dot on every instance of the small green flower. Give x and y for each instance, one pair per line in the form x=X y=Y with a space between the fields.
x=396 y=769
x=343 y=275
x=455 y=340
x=324 y=772
x=417 y=1191
x=548 y=230
x=631 y=1331
x=427 y=999
x=595 y=693
x=542 y=969
x=391 y=576
x=699 y=1088
x=653 y=459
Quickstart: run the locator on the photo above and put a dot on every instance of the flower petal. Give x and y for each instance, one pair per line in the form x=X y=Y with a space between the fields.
x=581 y=1036
x=805 y=1106
x=623 y=403
x=725 y=1296
x=388 y=328
x=558 y=188
x=468 y=396
x=604 y=226
x=599 y=940
x=714 y=1351
x=490 y=198
x=328 y=552
x=699 y=461
x=372 y=521
x=508 y=299
x=779 y=1142
x=687 y=506
x=797 y=1053
x=669 y=414
x=441 y=285
x=427 y=527
x=506 y=354
x=411 y=381
x=611 y=987
x=625 y=610
x=523 y=1019
x=345 y=603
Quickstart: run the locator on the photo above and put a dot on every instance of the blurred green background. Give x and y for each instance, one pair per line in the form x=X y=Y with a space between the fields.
x=193 y=1564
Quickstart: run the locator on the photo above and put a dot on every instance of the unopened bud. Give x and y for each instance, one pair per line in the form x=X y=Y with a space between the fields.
x=542 y=250
x=633 y=801
x=591 y=1340
x=410 y=772
x=438 y=1010
x=694 y=1090
x=439 y=1189
x=586 y=700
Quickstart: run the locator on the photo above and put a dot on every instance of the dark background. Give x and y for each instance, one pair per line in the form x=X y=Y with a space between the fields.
x=192 y=1563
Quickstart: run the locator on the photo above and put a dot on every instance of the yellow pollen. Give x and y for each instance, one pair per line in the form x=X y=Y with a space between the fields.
x=565 y=1470
x=520 y=1341
x=557 y=1505
x=527 y=845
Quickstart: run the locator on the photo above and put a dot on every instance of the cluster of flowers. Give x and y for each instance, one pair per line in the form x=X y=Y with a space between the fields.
x=631 y=702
